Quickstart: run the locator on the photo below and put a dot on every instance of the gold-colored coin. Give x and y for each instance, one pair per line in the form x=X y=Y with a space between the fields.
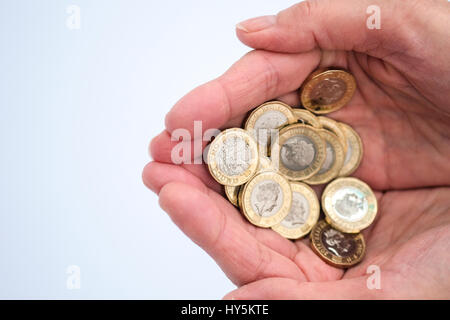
x=327 y=91
x=233 y=157
x=306 y=117
x=232 y=193
x=303 y=215
x=266 y=199
x=336 y=248
x=334 y=159
x=331 y=125
x=298 y=152
x=349 y=204
x=268 y=117
x=354 y=150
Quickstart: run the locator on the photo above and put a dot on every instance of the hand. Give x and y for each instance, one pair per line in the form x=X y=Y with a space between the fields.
x=402 y=112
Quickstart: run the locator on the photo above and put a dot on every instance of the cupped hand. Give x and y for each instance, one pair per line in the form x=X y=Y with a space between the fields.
x=401 y=110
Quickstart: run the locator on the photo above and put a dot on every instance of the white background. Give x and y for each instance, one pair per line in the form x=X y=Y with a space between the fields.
x=78 y=109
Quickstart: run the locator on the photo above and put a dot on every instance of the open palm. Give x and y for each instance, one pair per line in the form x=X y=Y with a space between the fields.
x=402 y=112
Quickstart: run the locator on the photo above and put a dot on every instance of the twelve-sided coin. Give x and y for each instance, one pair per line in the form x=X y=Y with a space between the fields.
x=349 y=204
x=298 y=152
x=233 y=157
x=354 y=150
x=266 y=199
x=327 y=91
x=303 y=215
x=333 y=161
x=336 y=248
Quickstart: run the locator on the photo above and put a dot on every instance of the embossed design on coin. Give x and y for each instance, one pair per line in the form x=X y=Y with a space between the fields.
x=329 y=159
x=336 y=242
x=299 y=152
x=336 y=248
x=233 y=157
x=354 y=150
x=327 y=91
x=333 y=160
x=303 y=214
x=266 y=199
x=349 y=204
x=299 y=211
x=266 y=119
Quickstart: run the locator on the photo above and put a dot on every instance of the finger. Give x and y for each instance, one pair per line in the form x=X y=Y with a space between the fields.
x=237 y=252
x=288 y=289
x=332 y=25
x=291 y=98
x=314 y=268
x=155 y=175
x=257 y=77
x=165 y=148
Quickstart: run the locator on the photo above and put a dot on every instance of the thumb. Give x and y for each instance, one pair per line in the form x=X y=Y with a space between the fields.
x=375 y=27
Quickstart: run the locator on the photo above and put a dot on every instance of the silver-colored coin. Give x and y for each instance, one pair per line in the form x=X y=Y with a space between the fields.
x=303 y=214
x=265 y=121
x=234 y=156
x=266 y=198
x=349 y=204
x=297 y=153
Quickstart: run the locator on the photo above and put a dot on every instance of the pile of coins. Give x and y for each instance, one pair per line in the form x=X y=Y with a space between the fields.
x=269 y=166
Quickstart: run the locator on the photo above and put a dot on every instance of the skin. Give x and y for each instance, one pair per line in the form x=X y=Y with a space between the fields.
x=402 y=112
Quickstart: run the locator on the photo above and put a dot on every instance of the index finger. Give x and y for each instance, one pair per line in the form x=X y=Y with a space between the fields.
x=257 y=77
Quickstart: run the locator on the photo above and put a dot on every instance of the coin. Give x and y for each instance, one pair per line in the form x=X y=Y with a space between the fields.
x=268 y=116
x=349 y=204
x=298 y=152
x=232 y=193
x=334 y=159
x=233 y=157
x=331 y=125
x=354 y=150
x=266 y=199
x=336 y=248
x=265 y=164
x=306 y=117
x=327 y=91
x=303 y=215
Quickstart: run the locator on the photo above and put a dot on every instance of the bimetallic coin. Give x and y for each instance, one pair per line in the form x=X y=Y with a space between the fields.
x=338 y=249
x=349 y=204
x=354 y=150
x=331 y=125
x=306 y=117
x=334 y=159
x=303 y=215
x=232 y=194
x=266 y=199
x=266 y=118
x=298 y=152
x=233 y=157
x=327 y=91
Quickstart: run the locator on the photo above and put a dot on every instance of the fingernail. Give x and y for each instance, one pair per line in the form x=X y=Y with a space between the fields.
x=256 y=24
